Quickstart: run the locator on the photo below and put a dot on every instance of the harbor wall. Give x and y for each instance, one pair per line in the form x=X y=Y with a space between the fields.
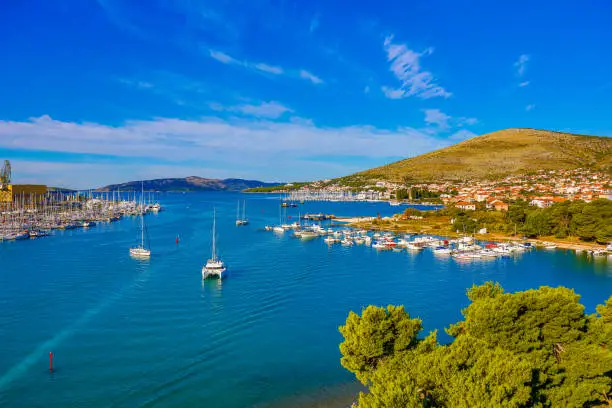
x=27 y=191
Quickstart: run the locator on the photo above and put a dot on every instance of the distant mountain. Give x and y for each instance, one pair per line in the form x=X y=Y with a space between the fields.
x=61 y=190
x=192 y=183
x=496 y=155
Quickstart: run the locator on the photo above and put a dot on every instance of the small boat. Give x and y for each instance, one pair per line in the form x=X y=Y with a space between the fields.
x=379 y=245
x=38 y=233
x=141 y=250
x=307 y=235
x=488 y=253
x=549 y=245
x=214 y=266
x=278 y=229
x=442 y=250
x=347 y=242
x=599 y=252
x=412 y=247
x=241 y=220
x=330 y=240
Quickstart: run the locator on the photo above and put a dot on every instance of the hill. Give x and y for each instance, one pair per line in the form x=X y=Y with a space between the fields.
x=192 y=183
x=499 y=154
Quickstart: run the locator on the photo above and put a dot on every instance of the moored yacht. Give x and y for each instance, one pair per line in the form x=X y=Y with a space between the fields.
x=214 y=266
x=141 y=250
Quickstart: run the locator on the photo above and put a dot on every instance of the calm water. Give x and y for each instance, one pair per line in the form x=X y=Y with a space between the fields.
x=129 y=333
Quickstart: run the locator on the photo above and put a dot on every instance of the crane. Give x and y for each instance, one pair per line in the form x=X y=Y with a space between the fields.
x=5 y=175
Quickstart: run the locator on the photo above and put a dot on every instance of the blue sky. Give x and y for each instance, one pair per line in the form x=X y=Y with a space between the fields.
x=102 y=91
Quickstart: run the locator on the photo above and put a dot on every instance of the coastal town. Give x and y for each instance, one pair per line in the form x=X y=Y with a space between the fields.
x=541 y=189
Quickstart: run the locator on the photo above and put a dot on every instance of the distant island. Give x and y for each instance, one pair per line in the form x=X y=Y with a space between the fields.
x=185 y=184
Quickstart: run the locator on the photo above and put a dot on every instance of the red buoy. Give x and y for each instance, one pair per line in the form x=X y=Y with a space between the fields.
x=50 y=361
x=177 y=239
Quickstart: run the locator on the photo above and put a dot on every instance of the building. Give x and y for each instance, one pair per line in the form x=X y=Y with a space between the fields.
x=499 y=205
x=465 y=205
x=23 y=193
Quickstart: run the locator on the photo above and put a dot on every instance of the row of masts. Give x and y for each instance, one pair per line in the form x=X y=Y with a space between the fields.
x=30 y=215
x=303 y=195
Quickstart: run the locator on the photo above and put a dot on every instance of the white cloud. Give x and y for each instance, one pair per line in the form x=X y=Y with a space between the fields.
x=258 y=148
x=443 y=121
x=269 y=68
x=223 y=57
x=313 y=78
x=521 y=64
x=406 y=66
x=436 y=117
x=530 y=107
x=263 y=67
x=524 y=84
x=270 y=109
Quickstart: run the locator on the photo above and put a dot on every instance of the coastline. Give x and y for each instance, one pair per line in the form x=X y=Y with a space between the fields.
x=414 y=227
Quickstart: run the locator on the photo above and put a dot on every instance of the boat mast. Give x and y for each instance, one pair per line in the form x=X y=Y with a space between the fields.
x=214 y=256
x=244 y=210
x=141 y=214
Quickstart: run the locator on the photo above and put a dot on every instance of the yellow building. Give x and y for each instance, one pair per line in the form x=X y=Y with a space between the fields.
x=25 y=192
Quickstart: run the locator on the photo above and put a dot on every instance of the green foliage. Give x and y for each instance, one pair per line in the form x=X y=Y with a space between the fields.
x=276 y=189
x=376 y=334
x=535 y=348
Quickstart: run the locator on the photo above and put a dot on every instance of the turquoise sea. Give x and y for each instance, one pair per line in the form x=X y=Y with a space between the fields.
x=129 y=333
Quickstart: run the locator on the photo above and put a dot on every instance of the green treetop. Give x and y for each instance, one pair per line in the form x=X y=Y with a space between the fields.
x=535 y=348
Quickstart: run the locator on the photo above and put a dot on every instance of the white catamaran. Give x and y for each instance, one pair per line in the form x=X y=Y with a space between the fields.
x=214 y=266
x=141 y=251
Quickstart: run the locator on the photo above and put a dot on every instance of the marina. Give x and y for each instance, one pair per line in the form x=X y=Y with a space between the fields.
x=26 y=218
x=270 y=328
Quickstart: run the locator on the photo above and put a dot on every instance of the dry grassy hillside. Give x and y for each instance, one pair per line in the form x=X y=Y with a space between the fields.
x=501 y=153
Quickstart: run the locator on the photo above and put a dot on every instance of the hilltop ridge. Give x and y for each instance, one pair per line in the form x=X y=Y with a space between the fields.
x=499 y=154
x=191 y=183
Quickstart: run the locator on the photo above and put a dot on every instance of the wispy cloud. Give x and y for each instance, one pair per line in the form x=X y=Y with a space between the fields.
x=263 y=67
x=311 y=77
x=436 y=117
x=406 y=66
x=524 y=84
x=262 y=148
x=530 y=107
x=270 y=109
x=223 y=57
x=269 y=68
x=521 y=64
x=444 y=122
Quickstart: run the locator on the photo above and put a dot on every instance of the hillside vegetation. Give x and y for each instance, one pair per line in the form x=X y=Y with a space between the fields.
x=499 y=154
x=192 y=183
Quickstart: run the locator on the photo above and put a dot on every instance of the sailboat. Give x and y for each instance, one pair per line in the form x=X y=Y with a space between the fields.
x=214 y=266
x=243 y=220
x=141 y=251
x=279 y=228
